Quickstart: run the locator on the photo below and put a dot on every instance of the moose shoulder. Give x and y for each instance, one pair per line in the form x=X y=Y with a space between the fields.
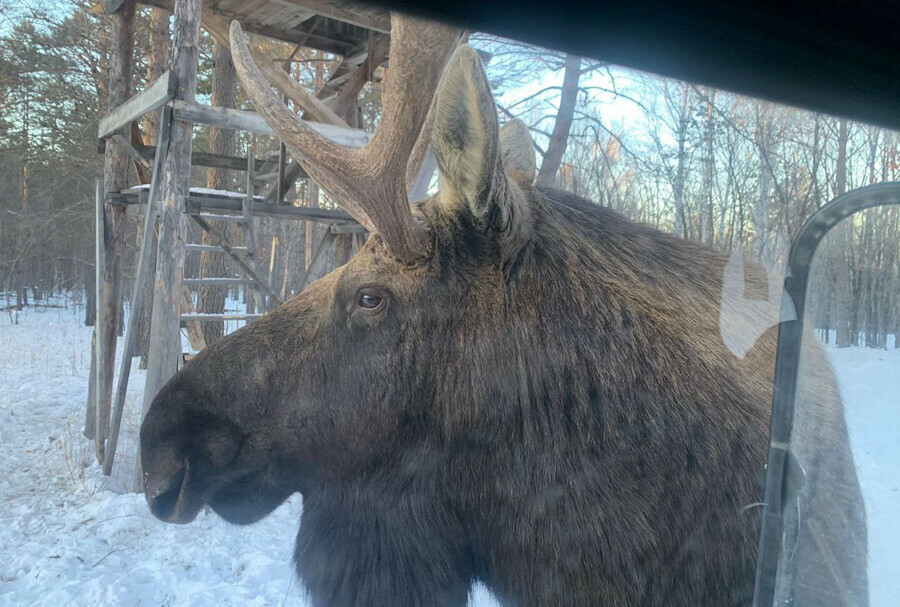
x=508 y=384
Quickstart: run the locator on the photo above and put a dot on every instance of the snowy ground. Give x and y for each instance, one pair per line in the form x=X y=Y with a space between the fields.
x=68 y=536
x=870 y=386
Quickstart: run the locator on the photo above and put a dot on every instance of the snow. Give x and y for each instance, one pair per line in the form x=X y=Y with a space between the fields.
x=204 y=192
x=72 y=537
x=870 y=386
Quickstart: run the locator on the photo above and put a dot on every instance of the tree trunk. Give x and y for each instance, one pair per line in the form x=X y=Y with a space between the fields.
x=194 y=328
x=22 y=261
x=709 y=168
x=843 y=279
x=211 y=300
x=115 y=179
x=312 y=188
x=90 y=293
x=559 y=138
x=761 y=209
x=680 y=177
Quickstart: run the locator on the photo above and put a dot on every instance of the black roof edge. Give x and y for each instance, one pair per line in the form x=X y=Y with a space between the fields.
x=830 y=56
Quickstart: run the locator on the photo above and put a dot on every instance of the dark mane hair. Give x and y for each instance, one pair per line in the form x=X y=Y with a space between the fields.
x=603 y=370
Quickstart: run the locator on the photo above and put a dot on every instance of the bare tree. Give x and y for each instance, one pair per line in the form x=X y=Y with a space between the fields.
x=563 y=123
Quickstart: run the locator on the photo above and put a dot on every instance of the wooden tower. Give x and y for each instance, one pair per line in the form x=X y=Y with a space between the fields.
x=358 y=34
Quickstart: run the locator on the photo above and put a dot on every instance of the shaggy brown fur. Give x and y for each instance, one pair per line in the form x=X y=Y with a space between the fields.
x=544 y=404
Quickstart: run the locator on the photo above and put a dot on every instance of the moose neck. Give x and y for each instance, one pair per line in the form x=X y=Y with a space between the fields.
x=572 y=409
x=386 y=538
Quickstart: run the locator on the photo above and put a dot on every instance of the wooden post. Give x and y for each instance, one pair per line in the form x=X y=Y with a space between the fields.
x=312 y=233
x=343 y=249
x=174 y=183
x=157 y=64
x=99 y=379
x=115 y=179
x=247 y=203
x=91 y=407
x=312 y=188
x=145 y=263
x=259 y=298
x=318 y=260
x=280 y=185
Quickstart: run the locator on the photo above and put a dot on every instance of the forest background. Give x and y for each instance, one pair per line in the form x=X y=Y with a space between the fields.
x=735 y=173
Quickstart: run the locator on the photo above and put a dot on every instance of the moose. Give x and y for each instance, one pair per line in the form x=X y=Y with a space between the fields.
x=507 y=384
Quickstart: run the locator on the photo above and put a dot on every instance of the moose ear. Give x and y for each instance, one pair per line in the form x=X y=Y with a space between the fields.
x=465 y=134
x=517 y=152
x=467 y=145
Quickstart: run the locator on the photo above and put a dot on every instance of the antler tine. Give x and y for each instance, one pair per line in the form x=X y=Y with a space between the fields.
x=370 y=183
x=420 y=148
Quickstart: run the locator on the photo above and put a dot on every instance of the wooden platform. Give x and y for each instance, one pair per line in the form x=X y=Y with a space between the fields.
x=328 y=25
x=205 y=200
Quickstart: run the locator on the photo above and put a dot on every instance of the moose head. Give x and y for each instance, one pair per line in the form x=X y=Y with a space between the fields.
x=344 y=378
x=508 y=383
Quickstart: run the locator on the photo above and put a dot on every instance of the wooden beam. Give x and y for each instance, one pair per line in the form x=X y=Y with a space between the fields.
x=197 y=203
x=346 y=228
x=217 y=282
x=304 y=34
x=246 y=265
x=225 y=317
x=90 y=409
x=203 y=159
x=101 y=421
x=241 y=120
x=379 y=22
x=131 y=151
x=343 y=249
x=295 y=34
x=306 y=213
x=152 y=97
x=317 y=263
x=345 y=93
x=280 y=186
x=145 y=259
x=285 y=180
x=289 y=87
x=143 y=169
x=174 y=183
x=247 y=202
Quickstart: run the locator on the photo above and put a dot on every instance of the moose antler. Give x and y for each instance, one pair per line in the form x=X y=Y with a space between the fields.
x=370 y=183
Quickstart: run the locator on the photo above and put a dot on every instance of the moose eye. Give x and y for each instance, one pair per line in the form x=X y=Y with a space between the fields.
x=370 y=300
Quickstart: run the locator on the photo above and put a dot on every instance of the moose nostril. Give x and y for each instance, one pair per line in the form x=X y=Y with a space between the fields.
x=164 y=498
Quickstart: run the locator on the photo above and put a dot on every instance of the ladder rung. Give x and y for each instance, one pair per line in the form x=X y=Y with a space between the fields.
x=217 y=282
x=197 y=316
x=213 y=217
x=266 y=176
x=213 y=248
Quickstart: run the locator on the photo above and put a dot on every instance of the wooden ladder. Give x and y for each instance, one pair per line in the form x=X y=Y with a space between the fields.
x=243 y=255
